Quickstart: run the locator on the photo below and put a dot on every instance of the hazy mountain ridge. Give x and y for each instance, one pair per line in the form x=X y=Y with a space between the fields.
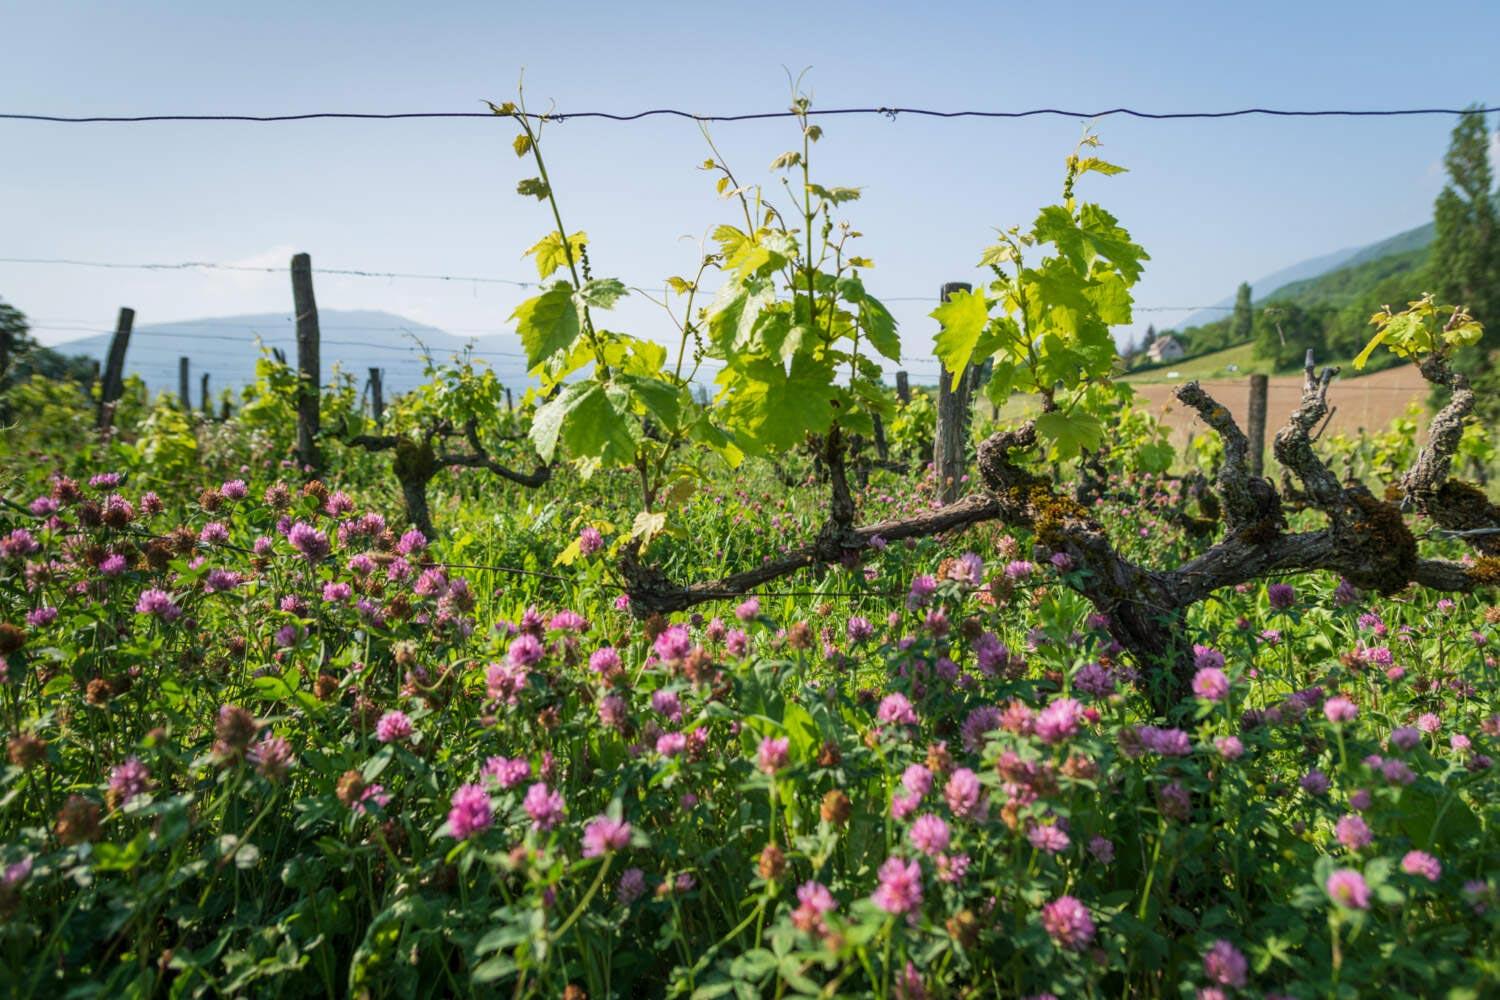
x=1265 y=288
x=227 y=347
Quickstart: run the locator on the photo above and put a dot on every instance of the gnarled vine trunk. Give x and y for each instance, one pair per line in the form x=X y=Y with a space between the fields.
x=1365 y=539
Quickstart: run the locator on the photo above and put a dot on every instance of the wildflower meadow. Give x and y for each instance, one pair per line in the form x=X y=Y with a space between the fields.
x=262 y=741
x=718 y=706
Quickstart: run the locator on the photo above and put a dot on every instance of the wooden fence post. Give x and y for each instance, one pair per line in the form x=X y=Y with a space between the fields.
x=377 y=400
x=1257 y=423
x=114 y=368
x=309 y=375
x=183 y=399
x=510 y=406
x=903 y=387
x=952 y=419
x=203 y=395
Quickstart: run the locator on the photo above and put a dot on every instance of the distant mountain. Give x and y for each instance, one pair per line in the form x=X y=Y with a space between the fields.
x=1264 y=288
x=1355 y=282
x=226 y=348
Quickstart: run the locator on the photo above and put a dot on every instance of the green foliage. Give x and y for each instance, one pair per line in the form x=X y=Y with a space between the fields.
x=1339 y=303
x=268 y=406
x=1423 y=327
x=156 y=848
x=1049 y=330
x=21 y=358
x=1241 y=324
x=793 y=322
x=49 y=415
x=1284 y=334
x=630 y=411
x=1466 y=250
x=167 y=445
x=911 y=428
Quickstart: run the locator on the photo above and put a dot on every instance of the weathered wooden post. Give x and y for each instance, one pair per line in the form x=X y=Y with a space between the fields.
x=882 y=449
x=309 y=375
x=377 y=400
x=903 y=387
x=203 y=395
x=114 y=368
x=1257 y=423
x=183 y=399
x=952 y=419
x=510 y=406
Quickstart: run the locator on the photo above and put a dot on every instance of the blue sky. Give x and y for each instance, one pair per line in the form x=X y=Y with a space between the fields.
x=1213 y=202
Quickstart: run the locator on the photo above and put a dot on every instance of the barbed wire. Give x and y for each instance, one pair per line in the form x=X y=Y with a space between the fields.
x=889 y=113
x=458 y=278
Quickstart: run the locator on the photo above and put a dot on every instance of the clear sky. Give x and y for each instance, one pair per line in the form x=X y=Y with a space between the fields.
x=1213 y=202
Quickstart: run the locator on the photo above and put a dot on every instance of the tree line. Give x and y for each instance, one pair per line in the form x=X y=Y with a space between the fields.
x=1330 y=314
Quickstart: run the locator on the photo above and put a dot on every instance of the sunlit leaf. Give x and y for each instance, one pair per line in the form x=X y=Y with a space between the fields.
x=547 y=323
x=550 y=253
x=963 y=318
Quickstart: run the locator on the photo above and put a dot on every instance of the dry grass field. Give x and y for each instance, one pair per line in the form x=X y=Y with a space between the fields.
x=1366 y=403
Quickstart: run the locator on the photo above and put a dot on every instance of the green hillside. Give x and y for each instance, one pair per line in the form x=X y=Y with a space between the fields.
x=1356 y=284
x=1329 y=313
x=1231 y=362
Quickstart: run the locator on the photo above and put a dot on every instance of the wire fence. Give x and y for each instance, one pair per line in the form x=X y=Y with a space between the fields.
x=457 y=278
x=890 y=113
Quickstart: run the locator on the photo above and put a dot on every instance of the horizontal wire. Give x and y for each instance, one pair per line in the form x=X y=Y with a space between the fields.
x=212 y=266
x=889 y=112
x=354 y=273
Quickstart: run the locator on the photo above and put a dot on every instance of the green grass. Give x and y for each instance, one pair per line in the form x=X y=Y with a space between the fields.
x=1215 y=365
x=1206 y=366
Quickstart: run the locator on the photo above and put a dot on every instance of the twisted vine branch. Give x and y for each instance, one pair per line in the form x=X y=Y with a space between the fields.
x=1365 y=539
x=416 y=462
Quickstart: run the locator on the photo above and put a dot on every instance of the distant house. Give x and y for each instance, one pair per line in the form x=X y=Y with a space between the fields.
x=1165 y=348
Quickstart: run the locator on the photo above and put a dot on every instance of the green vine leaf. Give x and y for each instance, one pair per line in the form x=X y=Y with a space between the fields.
x=534 y=187
x=602 y=293
x=1099 y=166
x=1070 y=434
x=963 y=318
x=834 y=195
x=1363 y=358
x=735 y=313
x=547 y=323
x=550 y=253
x=875 y=320
x=593 y=419
x=775 y=410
